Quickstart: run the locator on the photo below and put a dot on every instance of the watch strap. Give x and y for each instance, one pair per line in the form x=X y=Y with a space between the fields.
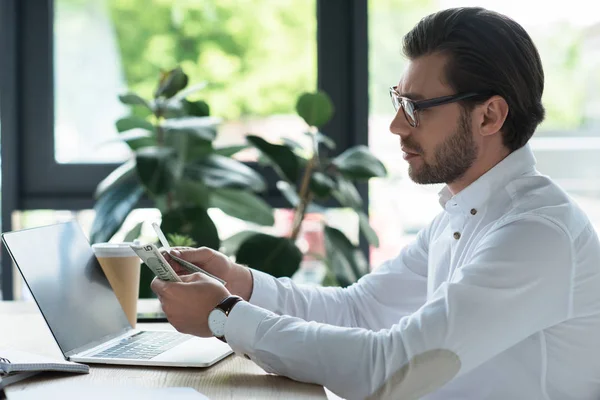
x=226 y=305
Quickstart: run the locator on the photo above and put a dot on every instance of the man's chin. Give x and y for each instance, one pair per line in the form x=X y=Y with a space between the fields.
x=417 y=176
x=414 y=175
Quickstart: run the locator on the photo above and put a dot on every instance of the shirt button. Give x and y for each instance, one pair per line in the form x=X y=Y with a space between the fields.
x=473 y=211
x=456 y=235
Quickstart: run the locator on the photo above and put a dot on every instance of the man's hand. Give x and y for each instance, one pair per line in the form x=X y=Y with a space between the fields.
x=188 y=303
x=238 y=278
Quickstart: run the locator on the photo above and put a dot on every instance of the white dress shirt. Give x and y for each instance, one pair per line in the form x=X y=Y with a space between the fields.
x=498 y=298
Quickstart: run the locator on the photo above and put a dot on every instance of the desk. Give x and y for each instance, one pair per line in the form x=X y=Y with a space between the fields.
x=23 y=328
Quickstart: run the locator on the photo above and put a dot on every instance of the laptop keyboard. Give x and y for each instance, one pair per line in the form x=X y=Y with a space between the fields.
x=144 y=345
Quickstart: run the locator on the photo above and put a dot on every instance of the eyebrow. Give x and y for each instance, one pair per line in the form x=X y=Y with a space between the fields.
x=413 y=96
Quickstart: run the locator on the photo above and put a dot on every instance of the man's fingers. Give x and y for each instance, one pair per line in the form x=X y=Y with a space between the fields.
x=158 y=286
x=195 y=277
x=178 y=249
x=200 y=256
x=179 y=270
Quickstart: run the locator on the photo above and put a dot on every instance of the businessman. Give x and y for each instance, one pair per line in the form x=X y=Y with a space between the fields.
x=497 y=298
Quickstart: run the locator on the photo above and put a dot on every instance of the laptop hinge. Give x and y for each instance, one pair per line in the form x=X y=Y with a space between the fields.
x=105 y=340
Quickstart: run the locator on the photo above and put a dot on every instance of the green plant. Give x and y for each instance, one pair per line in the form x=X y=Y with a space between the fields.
x=180 y=240
x=176 y=166
x=304 y=180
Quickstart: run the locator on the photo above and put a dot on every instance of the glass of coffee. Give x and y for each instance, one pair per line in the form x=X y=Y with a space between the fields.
x=122 y=269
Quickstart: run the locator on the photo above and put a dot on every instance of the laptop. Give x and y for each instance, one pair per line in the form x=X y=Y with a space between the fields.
x=82 y=311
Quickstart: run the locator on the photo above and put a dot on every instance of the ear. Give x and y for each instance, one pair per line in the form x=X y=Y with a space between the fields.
x=493 y=113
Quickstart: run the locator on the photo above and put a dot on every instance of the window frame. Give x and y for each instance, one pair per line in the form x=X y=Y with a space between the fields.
x=31 y=177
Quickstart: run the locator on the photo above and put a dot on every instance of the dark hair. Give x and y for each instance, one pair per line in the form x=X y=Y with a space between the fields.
x=486 y=51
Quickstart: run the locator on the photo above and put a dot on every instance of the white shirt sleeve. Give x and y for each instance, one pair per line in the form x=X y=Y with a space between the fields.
x=365 y=304
x=518 y=282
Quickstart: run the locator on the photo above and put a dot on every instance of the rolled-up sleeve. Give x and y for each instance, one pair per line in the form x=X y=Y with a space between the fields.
x=517 y=282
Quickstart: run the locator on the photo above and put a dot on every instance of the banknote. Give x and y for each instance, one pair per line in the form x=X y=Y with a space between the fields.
x=151 y=256
x=188 y=266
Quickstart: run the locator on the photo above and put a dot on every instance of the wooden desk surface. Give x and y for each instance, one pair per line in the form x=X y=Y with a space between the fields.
x=22 y=327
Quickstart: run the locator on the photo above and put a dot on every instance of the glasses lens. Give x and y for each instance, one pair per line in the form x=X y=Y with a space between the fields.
x=409 y=112
x=395 y=100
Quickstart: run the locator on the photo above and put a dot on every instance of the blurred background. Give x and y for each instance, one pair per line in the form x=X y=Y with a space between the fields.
x=66 y=61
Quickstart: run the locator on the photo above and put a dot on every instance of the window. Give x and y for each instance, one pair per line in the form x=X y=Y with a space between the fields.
x=254 y=70
x=566 y=145
x=61 y=102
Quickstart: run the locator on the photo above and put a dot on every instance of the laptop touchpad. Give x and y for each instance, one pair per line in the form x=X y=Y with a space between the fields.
x=194 y=351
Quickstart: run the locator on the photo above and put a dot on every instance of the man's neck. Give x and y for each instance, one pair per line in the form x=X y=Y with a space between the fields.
x=483 y=164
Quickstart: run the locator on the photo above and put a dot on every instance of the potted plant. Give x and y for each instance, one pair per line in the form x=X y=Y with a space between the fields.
x=309 y=177
x=175 y=165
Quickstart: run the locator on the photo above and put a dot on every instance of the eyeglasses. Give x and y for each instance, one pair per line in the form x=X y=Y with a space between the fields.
x=410 y=107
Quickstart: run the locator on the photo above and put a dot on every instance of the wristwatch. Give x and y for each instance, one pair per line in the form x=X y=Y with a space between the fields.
x=218 y=316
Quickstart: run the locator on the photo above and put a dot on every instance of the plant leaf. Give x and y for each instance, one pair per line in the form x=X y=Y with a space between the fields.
x=367 y=229
x=277 y=256
x=137 y=138
x=191 y=193
x=134 y=233
x=292 y=144
x=132 y=122
x=192 y=136
x=243 y=205
x=231 y=245
x=322 y=138
x=168 y=109
x=230 y=150
x=171 y=82
x=358 y=163
x=346 y=261
x=112 y=208
x=197 y=108
x=176 y=240
x=122 y=173
x=155 y=168
x=281 y=157
x=217 y=171
x=321 y=184
x=346 y=194
x=289 y=193
x=193 y=222
x=190 y=90
x=204 y=128
x=134 y=99
x=178 y=108
x=315 y=108
x=292 y=197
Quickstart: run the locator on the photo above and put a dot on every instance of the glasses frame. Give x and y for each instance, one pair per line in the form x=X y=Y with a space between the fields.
x=416 y=105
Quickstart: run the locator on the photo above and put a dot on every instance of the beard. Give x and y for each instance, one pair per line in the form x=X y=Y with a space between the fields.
x=452 y=158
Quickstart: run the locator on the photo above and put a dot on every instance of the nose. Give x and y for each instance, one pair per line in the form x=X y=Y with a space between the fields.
x=399 y=125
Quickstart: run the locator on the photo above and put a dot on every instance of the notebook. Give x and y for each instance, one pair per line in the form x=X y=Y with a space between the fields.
x=13 y=361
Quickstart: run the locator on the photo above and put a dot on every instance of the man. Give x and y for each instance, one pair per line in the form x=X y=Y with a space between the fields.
x=498 y=298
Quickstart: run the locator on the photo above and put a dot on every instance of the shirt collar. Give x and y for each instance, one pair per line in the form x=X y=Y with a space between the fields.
x=477 y=193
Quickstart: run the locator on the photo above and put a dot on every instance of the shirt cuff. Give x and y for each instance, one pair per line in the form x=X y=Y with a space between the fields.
x=241 y=326
x=264 y=291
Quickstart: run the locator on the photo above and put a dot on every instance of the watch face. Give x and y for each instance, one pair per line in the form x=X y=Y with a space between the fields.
x=216 y=322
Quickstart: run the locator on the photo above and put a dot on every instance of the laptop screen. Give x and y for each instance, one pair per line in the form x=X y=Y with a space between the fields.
x=67 y=283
